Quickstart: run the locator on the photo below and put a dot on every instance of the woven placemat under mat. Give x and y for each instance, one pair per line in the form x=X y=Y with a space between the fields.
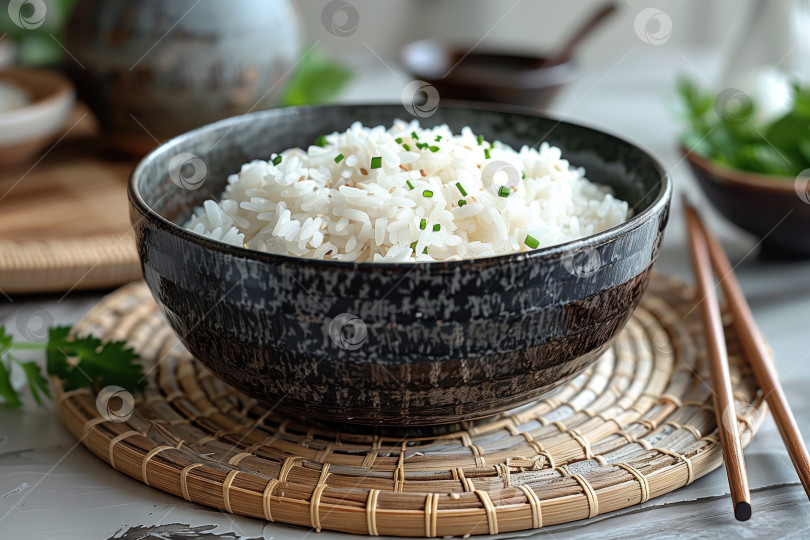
x=639 y=423
x=64 y=219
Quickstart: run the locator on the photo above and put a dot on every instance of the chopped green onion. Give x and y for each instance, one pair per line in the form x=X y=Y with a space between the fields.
x=523 y=175
x=438 y=138
x=437 y=227
x=491 y=145
x=422 y=145
x=413 y=245
x=423 y=224
x=461 y=189
x=424 y=251
x=486 y=153
x=339 y=158
x=480 y=140
x=321 y=141
x=398 y=140
x=427 y=193
x=376 y=162
x=406 y=147
x=414 y=136
x=504 y=191
x=410 y=186
x=531 y=241
x=434 y=149
x=462 y=202
x=276 y=160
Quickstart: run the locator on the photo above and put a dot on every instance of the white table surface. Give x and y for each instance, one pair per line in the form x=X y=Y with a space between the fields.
x=51 y=487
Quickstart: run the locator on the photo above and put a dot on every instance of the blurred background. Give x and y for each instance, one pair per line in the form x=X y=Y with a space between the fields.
x=716 y=90
x=528 y=25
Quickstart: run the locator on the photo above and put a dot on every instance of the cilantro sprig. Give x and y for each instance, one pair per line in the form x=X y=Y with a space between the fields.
x=80 y=362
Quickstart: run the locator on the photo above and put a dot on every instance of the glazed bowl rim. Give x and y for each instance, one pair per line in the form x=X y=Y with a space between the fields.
x=574 y=246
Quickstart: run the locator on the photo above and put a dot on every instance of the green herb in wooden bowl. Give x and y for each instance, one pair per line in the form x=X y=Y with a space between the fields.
x=724 y=129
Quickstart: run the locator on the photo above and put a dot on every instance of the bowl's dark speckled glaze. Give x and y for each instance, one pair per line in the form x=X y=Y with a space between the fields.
x=443 y=341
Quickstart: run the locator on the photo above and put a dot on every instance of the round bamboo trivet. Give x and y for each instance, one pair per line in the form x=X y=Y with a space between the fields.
x=639 y=423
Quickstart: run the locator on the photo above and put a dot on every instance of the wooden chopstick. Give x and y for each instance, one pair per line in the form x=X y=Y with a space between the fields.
x=756 y=351
x=724 y=407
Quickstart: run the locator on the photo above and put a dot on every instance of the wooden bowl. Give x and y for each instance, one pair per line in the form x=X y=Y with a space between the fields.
x=25 y=131
x=395 y=344
x=769 y=207
x=513 y=79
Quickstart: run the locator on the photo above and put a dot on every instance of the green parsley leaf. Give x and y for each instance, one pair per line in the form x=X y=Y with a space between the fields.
x=10 y=396
x=36 y=382
x=80 y=362
x=101 y=363
x=5 y=340
x=56 y=358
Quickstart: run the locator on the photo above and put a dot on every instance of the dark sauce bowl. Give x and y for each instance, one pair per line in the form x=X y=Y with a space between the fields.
x=395 y=344
x=498 y=77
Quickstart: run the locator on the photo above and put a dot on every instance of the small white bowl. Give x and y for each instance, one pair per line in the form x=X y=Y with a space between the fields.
x=26 y=130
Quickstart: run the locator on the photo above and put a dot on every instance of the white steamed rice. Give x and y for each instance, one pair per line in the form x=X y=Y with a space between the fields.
x=309 y=205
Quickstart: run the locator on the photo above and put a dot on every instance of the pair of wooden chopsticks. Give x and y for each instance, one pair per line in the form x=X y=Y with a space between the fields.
x=707 y=254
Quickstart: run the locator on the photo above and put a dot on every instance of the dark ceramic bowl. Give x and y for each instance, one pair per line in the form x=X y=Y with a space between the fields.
x=499 y=77
x=774 y=209
x=394 y=344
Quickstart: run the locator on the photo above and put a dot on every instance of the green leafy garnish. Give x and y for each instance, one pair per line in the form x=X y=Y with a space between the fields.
x=80 y=362
x=276 y=160
x=36 y=382
x=321 y=141
x=338 y=158
x=423 y=224
x=531 y=241
x=486 y=153
x=427 y=193
x=437 y=227
x=724 y=129
x=504 y=191
x=376 y=162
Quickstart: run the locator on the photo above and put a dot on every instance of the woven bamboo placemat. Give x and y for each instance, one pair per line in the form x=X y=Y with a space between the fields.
x=64 y=219
x=639 y=423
